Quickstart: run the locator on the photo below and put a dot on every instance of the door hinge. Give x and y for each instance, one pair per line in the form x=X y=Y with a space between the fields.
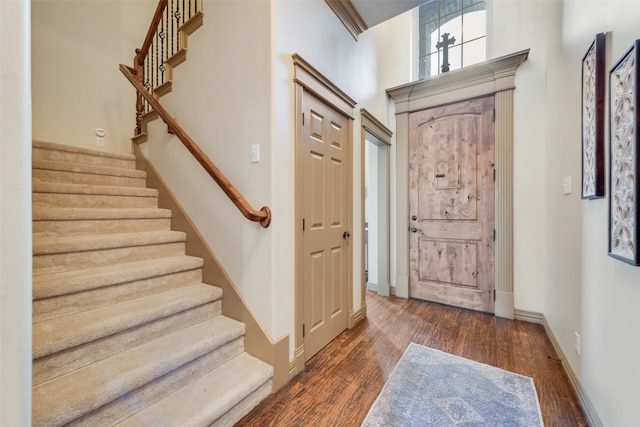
x=494 y=175
x=494 y=294
x=303 y=119
x=494 y=114
x=303 y=330
x=302 y=224
x=494 y=234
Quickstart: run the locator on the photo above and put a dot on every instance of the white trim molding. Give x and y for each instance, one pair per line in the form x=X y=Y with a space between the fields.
x=349 y=16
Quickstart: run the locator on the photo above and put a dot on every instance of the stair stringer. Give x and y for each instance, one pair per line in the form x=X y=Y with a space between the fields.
x=257 y=341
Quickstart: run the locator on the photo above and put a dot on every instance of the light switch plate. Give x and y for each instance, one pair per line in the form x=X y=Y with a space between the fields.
x=566 y=185
x=255 y=153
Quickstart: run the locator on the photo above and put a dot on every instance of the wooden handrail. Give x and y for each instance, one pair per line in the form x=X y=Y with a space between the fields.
x=263 y=216
x=141 y=54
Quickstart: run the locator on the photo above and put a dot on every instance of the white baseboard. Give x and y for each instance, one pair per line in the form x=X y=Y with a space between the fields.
x=356 y=316
x=529 y=316
x=583 y=398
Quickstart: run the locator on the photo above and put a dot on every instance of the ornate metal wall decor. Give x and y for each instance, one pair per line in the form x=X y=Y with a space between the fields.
x=623 y=124
x=593 y=75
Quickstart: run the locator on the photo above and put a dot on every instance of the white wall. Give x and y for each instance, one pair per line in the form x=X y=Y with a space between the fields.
x=590 y=292
x=515 y=25
x=222 y=97
x=77 y=87
x=15 y=214
x=562 y=267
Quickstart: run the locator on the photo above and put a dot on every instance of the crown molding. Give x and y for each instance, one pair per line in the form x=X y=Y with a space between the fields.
x=475 y=80
x=349 y=16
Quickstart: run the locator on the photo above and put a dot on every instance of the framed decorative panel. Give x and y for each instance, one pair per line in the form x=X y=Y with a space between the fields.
x=623 y=124
x=593 y=75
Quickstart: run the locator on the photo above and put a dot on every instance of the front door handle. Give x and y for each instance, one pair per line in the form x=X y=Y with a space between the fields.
x=346 y=235
x=414 y=230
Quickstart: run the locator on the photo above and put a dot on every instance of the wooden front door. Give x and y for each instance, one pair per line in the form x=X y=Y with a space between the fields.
x=326 y=176
x=451 y=204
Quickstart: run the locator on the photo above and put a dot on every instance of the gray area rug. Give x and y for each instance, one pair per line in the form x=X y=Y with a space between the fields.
x=432 y=388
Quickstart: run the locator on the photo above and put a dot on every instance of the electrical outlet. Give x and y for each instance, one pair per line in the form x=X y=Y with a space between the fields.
x=576 y=344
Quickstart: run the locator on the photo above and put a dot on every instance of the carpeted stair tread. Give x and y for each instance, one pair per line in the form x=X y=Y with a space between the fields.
x=65 y=332
x=67 y=282
x=208 y=398
x=92 y=190
x=87 y=169
x=121 y=318
x=51 y=213
x=45 y=145
x=70 y=244
x=70 y=396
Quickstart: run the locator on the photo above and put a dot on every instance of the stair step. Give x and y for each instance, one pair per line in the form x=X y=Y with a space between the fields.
x=42 y=150
x=67 y=343
x=76 y=173
x=122 y=322
x=93 y=196
x=54 y=221
x=56 y=254
x=106 y=386
x=69 y=292
x=210 y=397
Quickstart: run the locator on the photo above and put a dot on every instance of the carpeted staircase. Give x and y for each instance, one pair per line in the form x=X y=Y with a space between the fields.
x=124 y=331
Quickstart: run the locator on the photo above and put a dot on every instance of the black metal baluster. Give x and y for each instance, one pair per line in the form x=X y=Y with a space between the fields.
x=161 y=42
x=177 y=16
x=170 y=12
x=147 y=73
x=166 y=34
x=155 y=68
x=184 y=12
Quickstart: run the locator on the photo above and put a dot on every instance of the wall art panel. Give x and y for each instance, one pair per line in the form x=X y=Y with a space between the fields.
x=593 y=83
x=623 y=124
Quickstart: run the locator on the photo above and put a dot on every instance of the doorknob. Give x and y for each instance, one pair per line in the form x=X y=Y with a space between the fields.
x=413 y=217
x=413 y=229
x=346 y=235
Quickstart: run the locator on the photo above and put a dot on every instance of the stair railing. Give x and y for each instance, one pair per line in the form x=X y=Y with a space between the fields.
x=161 y=46
x=148 y=75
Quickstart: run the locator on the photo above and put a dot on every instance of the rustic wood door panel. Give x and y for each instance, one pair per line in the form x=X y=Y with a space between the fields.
x=451 y=204
x=326 y=216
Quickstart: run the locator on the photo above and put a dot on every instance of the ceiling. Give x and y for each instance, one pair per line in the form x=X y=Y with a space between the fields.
x=360 y=15
x=374 y=12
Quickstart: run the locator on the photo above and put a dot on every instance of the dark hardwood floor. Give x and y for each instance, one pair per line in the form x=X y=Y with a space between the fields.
x=341 y=382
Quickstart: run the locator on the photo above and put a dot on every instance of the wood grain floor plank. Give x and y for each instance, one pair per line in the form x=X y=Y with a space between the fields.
x=341 y=381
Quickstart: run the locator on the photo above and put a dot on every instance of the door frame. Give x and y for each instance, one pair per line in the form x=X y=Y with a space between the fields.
x=497 y=77
x=308 y=80
x=370 y=124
